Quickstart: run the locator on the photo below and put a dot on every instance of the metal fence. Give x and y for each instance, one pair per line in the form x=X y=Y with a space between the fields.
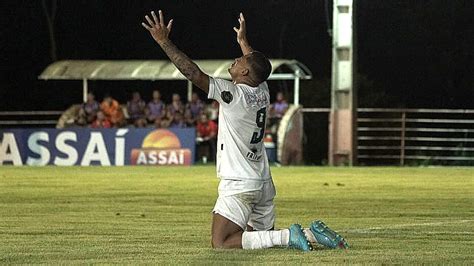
x=29 y=118
x=415 y=136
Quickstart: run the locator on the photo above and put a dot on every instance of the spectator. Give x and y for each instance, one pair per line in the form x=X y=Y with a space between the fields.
x=188 y=118
x=72 y=117
x=195 y=106
x=90 y=108
x=101 y=121
x=112 y=111
x=175 y=106
x=277 y=110
x=161 y=122
x=155 y=108
x=136 y=110
x=157 y=122
x=206 y=131
x=279 y=107
x=81 y=118
x=212 y=111
x=178 y=121
x=165 y=123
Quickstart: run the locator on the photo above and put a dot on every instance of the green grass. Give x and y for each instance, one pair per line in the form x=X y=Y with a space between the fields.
x=162 y=215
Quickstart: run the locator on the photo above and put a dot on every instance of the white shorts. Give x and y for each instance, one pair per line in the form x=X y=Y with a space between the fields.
x=247 y=202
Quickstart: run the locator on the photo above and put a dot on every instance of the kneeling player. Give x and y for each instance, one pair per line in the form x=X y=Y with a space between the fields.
x=244 y=215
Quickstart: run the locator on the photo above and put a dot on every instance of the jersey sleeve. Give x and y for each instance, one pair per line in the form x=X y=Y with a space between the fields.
x=221 y=90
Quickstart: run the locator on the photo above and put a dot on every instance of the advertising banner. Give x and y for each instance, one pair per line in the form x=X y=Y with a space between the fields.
x=84 y=146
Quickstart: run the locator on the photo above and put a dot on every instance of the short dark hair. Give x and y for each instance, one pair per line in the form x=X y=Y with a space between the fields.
x=260 y=65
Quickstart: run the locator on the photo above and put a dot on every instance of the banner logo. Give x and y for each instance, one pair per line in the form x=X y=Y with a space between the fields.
x=161 y=147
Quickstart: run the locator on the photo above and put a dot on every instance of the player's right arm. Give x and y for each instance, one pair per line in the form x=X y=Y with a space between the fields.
x=159 y=31
x=242 y=36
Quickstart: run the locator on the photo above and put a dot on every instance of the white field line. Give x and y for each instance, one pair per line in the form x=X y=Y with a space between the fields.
x=398 y=226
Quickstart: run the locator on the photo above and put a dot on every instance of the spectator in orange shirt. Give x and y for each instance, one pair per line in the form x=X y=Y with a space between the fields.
x=112 y=110
x=101 y=121
x=207 y=134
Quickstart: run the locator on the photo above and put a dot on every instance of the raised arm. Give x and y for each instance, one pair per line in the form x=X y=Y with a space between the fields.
x=159 y=31
x=242 y=36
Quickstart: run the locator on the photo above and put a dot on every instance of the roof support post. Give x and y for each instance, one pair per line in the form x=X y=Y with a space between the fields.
x=84 y=89
x=190 y=90
x=296 y=96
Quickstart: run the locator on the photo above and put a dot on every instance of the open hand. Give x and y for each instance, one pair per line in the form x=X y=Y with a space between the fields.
x=242 y=30
x=157 y=27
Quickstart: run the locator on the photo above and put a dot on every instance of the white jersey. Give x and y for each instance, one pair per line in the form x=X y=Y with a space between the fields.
x=242 y=113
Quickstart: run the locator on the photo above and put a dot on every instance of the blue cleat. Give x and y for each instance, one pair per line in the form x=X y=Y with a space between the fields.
x=326 y=236
x=298 y=239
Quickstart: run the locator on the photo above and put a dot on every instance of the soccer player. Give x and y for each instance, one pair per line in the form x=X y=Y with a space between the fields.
x=244 y=215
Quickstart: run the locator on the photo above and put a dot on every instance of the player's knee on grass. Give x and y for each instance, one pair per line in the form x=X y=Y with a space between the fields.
x=216 y=243
x=217 y=237
x=225 y=241
x=225 y=233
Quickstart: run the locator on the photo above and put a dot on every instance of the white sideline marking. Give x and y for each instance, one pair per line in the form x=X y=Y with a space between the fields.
x=396 y=226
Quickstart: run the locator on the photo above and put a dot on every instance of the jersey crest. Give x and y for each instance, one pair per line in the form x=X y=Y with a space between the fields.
x=227 y=96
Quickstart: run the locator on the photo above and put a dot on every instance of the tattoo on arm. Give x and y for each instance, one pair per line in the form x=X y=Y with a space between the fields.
x=180 y=60
x=185 y=65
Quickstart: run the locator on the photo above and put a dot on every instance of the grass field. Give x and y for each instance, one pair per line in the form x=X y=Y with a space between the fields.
x=162 y=215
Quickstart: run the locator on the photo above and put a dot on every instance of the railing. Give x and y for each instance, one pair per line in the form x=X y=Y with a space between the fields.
x=413 y=136
x=408 y=136
x=29 y=118
x=385 y=136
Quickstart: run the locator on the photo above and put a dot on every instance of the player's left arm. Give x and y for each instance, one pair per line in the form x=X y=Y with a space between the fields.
x=159 y=31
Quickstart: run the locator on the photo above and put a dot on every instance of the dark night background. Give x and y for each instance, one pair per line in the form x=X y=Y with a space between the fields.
x=410 y=53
